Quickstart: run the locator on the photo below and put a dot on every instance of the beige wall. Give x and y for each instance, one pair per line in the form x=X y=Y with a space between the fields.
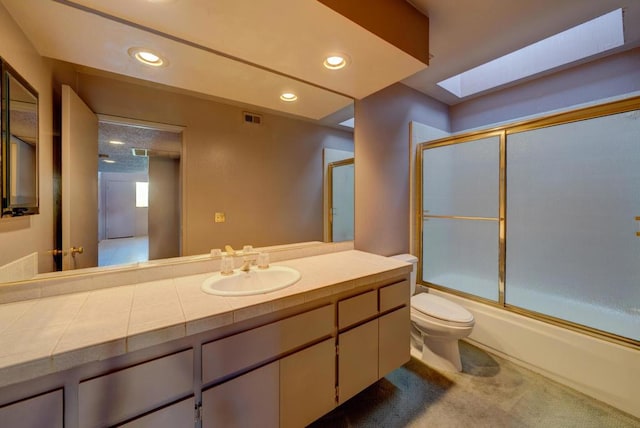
x=22 y=236
x=267 y=179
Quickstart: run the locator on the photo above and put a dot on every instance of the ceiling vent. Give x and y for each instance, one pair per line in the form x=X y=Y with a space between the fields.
x=139 y=152
x=252 y=118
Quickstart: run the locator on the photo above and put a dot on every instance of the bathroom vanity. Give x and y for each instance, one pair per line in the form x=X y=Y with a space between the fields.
x=186 y=358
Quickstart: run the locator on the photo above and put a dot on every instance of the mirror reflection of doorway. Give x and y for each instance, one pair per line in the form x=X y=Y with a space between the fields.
x=137 y=191
x=341 y=200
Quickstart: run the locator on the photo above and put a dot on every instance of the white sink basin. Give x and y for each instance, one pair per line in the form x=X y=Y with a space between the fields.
x=256 y=281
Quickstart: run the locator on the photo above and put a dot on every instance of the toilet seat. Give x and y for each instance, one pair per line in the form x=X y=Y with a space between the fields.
x=441 y=309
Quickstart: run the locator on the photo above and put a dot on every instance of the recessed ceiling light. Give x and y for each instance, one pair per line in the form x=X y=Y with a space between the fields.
x=336 y=61
x=108 y=161
x=146 y=56
x=288 y=96
x=116 y=142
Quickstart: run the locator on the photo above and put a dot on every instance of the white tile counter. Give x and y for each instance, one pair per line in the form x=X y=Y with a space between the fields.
x=51 y=334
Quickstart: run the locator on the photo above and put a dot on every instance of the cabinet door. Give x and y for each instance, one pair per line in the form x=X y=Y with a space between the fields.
x=307 y=384
x=357 y=359
x=250 y=400
x=180 y=414
x=394 y=340
x=42 y=411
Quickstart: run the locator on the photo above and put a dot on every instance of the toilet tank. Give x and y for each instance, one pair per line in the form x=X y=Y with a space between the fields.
x=410 y=258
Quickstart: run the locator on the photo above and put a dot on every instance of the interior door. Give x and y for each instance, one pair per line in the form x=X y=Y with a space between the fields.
x=164 y=207
x=79 y=182
x=120 y=209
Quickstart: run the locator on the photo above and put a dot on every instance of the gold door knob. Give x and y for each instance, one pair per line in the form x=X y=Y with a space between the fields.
x=76 y=250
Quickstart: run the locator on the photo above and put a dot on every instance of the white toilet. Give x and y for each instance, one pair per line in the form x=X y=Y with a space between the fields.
x=436 y=325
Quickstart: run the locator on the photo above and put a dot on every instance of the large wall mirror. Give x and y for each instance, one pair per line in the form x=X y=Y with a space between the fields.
x=19 y=145
x=267 y=177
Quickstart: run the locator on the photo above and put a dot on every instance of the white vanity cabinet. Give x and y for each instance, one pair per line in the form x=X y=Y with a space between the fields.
x=283 y=368
x=44 y=410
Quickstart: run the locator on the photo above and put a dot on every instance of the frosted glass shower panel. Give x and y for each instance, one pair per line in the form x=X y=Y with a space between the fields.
x=573 y=192
x=462 y=179
x=461 y=255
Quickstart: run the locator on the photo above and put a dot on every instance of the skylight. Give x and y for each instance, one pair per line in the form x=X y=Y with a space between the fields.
x=593 y=37
x=349 y=123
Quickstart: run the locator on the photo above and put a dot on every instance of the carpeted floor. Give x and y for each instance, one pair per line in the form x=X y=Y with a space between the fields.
x=490 y=392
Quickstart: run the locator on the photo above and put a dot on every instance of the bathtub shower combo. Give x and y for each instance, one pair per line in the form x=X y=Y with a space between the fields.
x=541 y=218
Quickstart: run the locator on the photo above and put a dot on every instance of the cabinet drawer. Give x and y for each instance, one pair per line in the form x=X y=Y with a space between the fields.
x=232 y=354
x=356 y=309
x=394 y=295
x=180 y=414
x=122 y=395
x=35 y=412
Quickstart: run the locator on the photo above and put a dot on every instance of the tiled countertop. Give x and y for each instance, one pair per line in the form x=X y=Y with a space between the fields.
x=47 y=335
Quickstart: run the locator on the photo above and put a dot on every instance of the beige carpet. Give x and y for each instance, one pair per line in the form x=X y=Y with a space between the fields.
x=490 y=392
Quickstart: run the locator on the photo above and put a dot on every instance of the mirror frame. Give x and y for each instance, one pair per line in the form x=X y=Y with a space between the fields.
x=9 y=209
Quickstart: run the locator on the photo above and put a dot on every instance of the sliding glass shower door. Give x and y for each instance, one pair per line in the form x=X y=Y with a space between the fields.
x=573 y=193
x=460 y=230
x=541 y=218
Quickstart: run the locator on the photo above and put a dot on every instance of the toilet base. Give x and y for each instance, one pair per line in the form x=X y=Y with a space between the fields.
x=436 y=352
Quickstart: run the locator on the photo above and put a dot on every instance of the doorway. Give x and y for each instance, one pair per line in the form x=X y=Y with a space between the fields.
x=139 y=198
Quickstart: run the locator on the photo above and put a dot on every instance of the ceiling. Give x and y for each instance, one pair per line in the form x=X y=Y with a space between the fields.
x=246 y=50
x=467 y=33
x=238 y=50
x=157 y=142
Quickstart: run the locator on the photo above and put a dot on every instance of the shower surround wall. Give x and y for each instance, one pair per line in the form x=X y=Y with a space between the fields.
x=608 y=77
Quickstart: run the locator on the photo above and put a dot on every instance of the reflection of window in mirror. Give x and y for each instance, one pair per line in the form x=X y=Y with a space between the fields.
x=142 y=194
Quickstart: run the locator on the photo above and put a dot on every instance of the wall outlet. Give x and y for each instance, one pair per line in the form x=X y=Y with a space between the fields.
x=219 y=218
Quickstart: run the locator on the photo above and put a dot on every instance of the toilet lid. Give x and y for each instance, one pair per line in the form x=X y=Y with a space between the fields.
x=440 y=308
